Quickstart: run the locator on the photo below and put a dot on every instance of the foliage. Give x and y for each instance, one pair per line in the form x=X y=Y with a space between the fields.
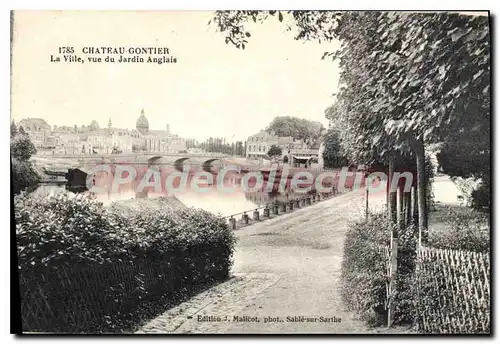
x=481 y=197
x=466 y=153
x=465 y=229
x=399 y=81
x=13 y=129
x=67 y=232
x=333 y=154
x=65 y=228
x=363 y=277
x=274 y=151
x=297 y=128
x=218 y=145
x=24 y=175
x=21 y=147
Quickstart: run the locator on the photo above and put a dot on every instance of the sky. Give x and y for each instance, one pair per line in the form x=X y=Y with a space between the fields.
x=213 y=90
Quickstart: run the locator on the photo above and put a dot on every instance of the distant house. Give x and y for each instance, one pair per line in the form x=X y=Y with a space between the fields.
x=37 y=129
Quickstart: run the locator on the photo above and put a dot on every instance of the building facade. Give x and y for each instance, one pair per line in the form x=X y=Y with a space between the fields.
x=258 y=145
x=37 y=129
x=91 y=139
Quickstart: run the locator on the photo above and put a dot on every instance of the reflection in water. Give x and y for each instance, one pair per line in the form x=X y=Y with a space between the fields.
x=225 y=202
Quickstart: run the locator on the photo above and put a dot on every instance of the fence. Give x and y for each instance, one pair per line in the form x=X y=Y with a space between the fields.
x=95 y=298
x=278 y=207
x=452 y=291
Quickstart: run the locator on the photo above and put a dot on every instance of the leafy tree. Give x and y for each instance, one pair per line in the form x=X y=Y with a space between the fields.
x=21 y=147
x=24 y=175
x=13 y=129
x=333 y=153
x=298 y=128
x=274 y=151
x=407 y=79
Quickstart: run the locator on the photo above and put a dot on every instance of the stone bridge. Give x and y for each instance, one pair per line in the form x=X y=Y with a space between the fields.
x=207 y=161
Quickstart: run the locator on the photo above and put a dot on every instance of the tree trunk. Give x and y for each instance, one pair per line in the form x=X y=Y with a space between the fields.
x=415 y=203
x=401 y=207
x=392 y=194
x=421 y=187
x=393 y=263
x=407 y=208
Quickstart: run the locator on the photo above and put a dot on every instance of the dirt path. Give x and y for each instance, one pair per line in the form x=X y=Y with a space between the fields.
x=286 y=268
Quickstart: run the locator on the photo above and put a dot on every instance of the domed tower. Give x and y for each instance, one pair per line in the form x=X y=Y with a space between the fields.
x=142 y=123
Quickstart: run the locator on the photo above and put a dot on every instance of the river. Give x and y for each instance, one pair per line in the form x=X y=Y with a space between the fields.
x=211 y=198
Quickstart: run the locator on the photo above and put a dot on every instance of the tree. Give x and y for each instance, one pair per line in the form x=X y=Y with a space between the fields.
x=274 y=151
x=333 y=153
x=407 y=79
x=13 y=129
x=21 y=147
x=298 y=128
x=24 y=176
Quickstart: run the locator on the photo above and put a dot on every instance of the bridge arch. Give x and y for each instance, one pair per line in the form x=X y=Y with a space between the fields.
x=179 y=164
x=207 y=165
x=154 y=159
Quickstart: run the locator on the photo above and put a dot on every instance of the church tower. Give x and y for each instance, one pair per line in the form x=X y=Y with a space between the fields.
x=142 y=124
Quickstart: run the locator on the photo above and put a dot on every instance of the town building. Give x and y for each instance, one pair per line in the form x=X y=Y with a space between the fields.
x=92 y=139
x=258 y=146
x=37 y=129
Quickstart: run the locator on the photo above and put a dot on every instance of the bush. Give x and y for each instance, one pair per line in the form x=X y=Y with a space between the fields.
x=481 y=197
x=97 y=266
x=364 y=264
x=427 y=286
x=364 y=270
x=466 y=229
x=24 y=176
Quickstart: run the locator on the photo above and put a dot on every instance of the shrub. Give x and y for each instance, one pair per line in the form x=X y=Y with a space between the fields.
x=466 y=229
x=90 y=268
x=364 y=264
x=24 y=176
x=21 y=147
x=481 y=197
x=364 y=270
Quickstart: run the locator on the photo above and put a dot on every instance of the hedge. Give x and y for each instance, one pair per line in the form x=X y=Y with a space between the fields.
x=89 y=268
x=464 y=229
x=363 y=274
x=431 y=283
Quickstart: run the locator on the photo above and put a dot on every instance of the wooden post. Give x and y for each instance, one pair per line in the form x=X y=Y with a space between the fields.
x=283 y=207
x=393 y=267
x=367 y=209
x=275 y=209
x=245 y=218
x=266 y=212
x=232 y=222
x=256 y=215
